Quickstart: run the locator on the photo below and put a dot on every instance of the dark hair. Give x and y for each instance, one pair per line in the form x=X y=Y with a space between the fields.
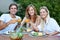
x=12 y=5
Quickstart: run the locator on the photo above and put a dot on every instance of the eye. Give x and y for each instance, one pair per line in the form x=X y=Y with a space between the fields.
x=13 y=8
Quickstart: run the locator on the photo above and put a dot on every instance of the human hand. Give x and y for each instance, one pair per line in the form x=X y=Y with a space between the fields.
x=27 y=20
x=19 y=20
x=12 y=21
x=49 y=34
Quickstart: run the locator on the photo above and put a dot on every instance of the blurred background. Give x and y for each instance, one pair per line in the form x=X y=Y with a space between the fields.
x=53 y=6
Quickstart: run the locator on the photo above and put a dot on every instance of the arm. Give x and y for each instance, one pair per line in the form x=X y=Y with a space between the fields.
x=23 y=21
x=34 y=25
x=4 y=25
x=55 y=27
x=52 y=34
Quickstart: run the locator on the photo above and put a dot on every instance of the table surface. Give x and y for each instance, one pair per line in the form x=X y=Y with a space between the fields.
x=27 y=37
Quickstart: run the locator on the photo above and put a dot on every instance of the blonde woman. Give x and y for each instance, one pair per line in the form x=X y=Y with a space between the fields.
x=31 y=14
x=50 y=26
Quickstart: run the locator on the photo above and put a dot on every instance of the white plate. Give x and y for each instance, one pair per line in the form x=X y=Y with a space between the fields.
x=6 y=32
x=31 y=34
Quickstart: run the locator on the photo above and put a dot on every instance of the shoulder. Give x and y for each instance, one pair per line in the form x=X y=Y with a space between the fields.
x=4 y=15
x=18 y=17
x=38 y=17
x=52 y=19
x=54 y=23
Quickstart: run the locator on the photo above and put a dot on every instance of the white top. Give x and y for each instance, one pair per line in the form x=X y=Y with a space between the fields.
x=50 y=27
x=5 y=18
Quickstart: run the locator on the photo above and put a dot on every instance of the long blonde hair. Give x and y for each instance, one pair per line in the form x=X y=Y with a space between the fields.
x=47 y=18
x=46 y=9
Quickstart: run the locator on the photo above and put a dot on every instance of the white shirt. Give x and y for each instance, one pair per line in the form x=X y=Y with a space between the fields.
x=50 y=27
x=5 y=18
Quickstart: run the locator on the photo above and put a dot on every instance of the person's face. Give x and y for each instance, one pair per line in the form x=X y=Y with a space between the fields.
x=13 y=9
x=31 y=11
x=43 y=13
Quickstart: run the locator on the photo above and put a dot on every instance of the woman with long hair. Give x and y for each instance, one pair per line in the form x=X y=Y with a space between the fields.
x=50 y=26
x=34 y=19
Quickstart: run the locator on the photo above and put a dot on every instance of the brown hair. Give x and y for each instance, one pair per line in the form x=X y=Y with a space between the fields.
x=27 y=13
x=12 y=5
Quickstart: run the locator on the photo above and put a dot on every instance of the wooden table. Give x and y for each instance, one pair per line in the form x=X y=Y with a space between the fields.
x=27 y=37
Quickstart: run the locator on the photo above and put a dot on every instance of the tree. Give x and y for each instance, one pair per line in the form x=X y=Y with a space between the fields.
x=53 y=6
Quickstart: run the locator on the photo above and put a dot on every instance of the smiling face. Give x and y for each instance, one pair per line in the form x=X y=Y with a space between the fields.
x=43 y=13
x=13 y=9
x=31 y=11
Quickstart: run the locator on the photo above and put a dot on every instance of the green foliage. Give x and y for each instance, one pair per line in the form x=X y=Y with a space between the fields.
x=53 y=6
x=1 y=13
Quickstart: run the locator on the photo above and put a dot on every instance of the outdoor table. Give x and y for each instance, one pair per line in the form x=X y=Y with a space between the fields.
x=27 y=37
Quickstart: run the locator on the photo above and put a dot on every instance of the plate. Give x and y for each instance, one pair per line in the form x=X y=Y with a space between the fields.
x=36 y=34
x=7 y=32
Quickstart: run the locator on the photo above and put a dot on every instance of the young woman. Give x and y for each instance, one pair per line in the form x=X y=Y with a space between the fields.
x=50 y=25
x=8 y=22
x=31 y=14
